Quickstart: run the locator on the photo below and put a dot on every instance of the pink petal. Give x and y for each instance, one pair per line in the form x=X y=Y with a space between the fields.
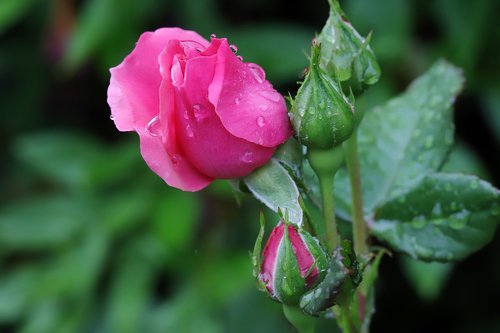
x=304 y=258
x=133 y=89
x=206 y=143
x=269 y=256
x=133 y=96
x=246 y=103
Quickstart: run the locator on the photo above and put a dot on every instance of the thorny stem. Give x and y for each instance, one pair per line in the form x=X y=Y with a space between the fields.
x=360 y=230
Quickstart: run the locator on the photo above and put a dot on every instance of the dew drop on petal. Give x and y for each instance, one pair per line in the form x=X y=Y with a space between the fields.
x=200 y=112
x=153 y=127
x=175 y=158
x=240 y=57
x=261 y=121
x=112 y=117
x=189 y=131
x=213 y=36
x=237 y=100
x=257 y=71
x=234 y=48
x=247 y=157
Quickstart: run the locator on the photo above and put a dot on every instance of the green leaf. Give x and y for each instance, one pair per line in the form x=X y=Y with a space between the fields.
x=63 y=157
x=175 y=220
x=274 y=187
x=444 y=217
x=16 y=291
x=427 y=278
x=12 y=10
x=463 y=159
x=405 y=139
x=39 y=223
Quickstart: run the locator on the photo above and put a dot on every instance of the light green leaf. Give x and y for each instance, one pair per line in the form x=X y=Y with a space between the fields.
x=404 y=139
x=445 y=217
x=273 y=186
x=35 y=224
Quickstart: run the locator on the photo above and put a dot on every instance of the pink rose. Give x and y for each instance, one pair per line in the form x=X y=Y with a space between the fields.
x=201 y=112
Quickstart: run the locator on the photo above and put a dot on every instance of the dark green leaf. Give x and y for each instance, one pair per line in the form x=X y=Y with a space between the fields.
x=11 y=11
x=404 y=139
x=445 y=217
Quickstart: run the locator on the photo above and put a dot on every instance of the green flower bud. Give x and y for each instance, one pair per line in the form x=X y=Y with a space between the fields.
x=322 y=116
x=345 y=54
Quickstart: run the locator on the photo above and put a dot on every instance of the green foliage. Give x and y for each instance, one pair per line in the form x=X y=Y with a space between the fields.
x=444 y=217
x=404 y=139
x=262 y=183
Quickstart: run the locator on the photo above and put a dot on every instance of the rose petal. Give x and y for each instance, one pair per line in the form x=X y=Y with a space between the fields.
x=133 y=89
x=246 y=103
x=133 y=96
x=207 y=144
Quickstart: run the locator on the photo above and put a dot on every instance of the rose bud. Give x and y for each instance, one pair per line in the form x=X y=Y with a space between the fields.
x=293 y=262
x=346 y=55
x=201 y=113
x=322 y=116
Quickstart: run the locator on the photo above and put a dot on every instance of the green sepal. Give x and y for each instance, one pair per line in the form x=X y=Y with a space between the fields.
x=256 y=256
x=340 y=281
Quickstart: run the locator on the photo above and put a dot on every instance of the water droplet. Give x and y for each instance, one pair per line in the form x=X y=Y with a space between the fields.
x=237 y=100
x=175 y=158
x=419 y=222
x=189 y=131
x=322 y=104
x=112 y=117
x=458 y=221
x=200 y=113
x=153 y=127
x=436 y=210
x=213 y=36
x=261 y=121
x=273 y=96
x=429 y=141
x=257 y=71
x=233 y=48
x=247 y=157
x=240 y=57
x=438 y=221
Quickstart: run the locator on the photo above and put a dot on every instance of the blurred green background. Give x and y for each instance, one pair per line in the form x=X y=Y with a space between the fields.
x=92 y=241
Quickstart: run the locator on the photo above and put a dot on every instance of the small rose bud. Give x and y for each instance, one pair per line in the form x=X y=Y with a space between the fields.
x=345 y=54
x=293 y=263
x=322 y=116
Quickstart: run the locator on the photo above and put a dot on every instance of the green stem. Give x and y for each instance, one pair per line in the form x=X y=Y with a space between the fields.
x=325 y=164
x=302 y=322
x=360 y=230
